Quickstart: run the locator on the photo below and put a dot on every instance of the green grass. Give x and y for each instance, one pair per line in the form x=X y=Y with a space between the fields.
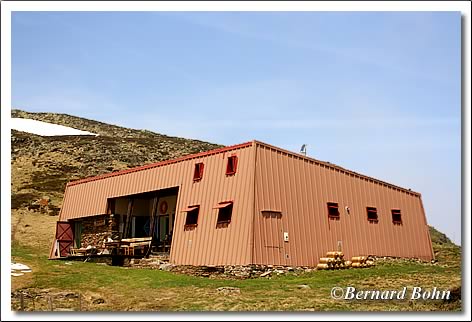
x=146 y=289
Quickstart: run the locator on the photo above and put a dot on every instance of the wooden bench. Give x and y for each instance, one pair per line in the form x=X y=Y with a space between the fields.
x=78 y=251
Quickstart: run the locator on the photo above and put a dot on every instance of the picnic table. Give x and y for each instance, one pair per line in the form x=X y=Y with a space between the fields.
x=115 y=246
x=129 y=245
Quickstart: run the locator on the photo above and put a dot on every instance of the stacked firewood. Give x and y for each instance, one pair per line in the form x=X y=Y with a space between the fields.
x=332 y=260
x=361 y=261
x=335 y=260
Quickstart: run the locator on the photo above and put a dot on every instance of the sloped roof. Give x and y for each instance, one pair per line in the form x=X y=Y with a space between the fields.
x=240 y=146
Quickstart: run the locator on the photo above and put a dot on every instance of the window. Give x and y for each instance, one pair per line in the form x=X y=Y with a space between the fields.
x=372 y=214
x=192 y=215
x=191 y=220
x=396 y=216
x=333 y=210
x=231 y=165
x=271 y=213
x=225 y=210
x=198 y=173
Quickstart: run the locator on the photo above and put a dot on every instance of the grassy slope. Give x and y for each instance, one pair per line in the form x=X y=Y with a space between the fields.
x=445 y=251
x=145 y=289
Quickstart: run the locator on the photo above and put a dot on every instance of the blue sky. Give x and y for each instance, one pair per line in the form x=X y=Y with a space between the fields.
x=378 y=93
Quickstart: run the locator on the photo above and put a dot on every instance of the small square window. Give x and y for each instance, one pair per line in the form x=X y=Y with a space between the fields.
x=198 y=172
x=396 y=216
x=232 y=165
x=333 y=210
x=225 y=211
x=192 y=215
x=372 y=215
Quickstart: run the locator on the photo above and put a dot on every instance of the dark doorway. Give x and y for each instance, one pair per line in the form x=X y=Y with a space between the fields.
x=142 y=224
x=150 y=214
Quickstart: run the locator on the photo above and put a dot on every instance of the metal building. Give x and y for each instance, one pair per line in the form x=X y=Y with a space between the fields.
x=251 y=203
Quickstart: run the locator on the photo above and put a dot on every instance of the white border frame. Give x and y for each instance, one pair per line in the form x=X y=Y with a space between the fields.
x=8 y=7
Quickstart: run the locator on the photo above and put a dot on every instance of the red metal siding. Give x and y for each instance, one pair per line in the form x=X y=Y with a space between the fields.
x=272 y=179
x=205 y=245
x=300 y=188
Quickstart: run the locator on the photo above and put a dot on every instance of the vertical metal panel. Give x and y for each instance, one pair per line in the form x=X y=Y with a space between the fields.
x=301 y=187
x=209 y=245
x=268 y=178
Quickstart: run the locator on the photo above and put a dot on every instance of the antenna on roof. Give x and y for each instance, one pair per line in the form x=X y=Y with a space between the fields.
x=303 y=149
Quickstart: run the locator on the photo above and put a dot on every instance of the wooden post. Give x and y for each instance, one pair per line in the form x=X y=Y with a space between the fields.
x=127 y=227
x=22 y=302
x=34 y=306
x=152 y=216
x=80 y=302
x=152 y=221
x=50 y=303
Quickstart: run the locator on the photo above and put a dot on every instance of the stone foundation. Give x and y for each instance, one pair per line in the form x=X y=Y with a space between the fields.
x=234 y=271
x=214 y=272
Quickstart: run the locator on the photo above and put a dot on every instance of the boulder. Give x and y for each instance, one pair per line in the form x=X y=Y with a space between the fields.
x=165 y=267
x=303 y=287
x=266 y=274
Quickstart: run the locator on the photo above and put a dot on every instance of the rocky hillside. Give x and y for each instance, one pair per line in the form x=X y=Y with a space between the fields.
x=445 y=250
x=439 y=237
x=41 y=166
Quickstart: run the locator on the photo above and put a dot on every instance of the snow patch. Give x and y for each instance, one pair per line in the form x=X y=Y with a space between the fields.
x=18 y=269
x=44 y=128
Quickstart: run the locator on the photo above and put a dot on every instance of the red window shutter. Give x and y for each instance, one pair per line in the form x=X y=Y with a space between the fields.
x=198 y=172
x=232 y=165
x=223 y=204
x=189 y=208
x=235 y=163
x=201 y=170
x=228 y=166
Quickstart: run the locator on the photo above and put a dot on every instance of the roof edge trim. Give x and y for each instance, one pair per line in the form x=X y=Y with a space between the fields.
x=161 y=163
x=336 y=167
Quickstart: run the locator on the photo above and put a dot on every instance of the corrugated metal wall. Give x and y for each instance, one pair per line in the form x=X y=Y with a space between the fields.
x=300 y=188
x=292 y=190
x=206 y=244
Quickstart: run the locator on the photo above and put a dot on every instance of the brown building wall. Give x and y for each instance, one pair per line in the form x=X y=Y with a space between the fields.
x=300 y=188
x=274 y=191
x=206 y=244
